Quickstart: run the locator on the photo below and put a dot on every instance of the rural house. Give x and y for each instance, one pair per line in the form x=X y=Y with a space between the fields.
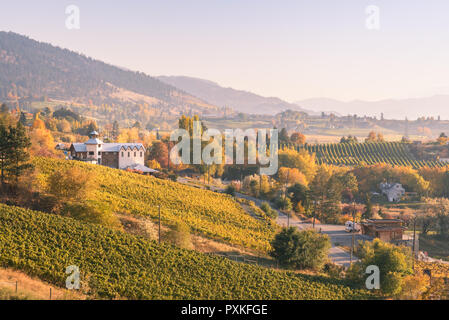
x=393 y=191
x=114 y=155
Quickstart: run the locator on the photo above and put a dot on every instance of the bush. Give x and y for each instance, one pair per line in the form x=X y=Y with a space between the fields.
x=283 y=203
x=179 y=235
x=265 y=206
x=230 y=190
x=300 y=249
x=93 y=212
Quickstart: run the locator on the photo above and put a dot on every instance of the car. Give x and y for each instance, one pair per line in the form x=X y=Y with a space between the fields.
x=352 y=227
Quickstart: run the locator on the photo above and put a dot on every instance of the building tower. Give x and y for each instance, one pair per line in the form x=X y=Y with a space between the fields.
x=93 y=147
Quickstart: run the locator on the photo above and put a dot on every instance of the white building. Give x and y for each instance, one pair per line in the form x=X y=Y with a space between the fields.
x=114 y=155
x=393 y=191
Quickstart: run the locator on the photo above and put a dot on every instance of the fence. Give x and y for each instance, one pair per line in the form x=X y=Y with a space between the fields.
x=15 y=287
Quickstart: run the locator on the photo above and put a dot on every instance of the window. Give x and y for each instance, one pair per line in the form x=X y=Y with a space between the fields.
x=123 y=154
x=141 y=154
x=99 y=153
x=91 y=153
x=129 y=155
x=135 y=154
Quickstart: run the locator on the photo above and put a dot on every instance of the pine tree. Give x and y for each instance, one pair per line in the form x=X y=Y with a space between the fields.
x=15 y=154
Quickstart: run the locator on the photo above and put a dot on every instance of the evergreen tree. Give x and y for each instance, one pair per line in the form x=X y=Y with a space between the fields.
x=14 y=156
x=368 y=213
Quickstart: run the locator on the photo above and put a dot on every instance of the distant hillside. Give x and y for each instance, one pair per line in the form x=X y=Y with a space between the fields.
x=31 y=70
x=392 y=109
x=240 y=101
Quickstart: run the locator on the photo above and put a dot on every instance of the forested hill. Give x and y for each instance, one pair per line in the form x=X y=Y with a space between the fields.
x=31 y=70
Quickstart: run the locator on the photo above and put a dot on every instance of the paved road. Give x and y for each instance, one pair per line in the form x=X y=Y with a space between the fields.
x=337 y=233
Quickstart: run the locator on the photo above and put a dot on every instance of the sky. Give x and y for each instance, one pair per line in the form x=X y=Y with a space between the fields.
x=293 y=50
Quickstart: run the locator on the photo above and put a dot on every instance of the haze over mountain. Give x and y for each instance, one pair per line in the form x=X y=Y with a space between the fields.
x=31 y=70
x=239 y=100
x=434 y=106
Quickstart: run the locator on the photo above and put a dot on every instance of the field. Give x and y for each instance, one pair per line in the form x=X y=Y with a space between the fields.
x=352 y=154
x=114 y=264
x=213 y=215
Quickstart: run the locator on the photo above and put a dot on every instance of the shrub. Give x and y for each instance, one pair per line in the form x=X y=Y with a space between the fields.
x=265 y=206
x=230 y=190
x=283 y=203
x=93 y=212
x=300 y=249
x=179 y=235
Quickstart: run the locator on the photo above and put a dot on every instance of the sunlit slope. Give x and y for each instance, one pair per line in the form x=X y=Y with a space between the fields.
x=208 y=213
x=114 y=264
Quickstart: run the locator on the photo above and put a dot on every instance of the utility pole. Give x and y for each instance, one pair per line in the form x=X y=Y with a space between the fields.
x=159 y=224
x=414 y=241
x=353 y=232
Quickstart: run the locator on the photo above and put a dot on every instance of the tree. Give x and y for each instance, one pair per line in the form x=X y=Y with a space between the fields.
x=14 y=156
x=71 y=184
x=159 y=152
x=115 y=130
x=394 y=264
x=283 y=136
x=290 y=176
x=300 y=194
x=298 y=138
x=19 y=156
x=371 y=137
x=300 y=249
x=284 y=203
x=368 y=213
x=302 y=160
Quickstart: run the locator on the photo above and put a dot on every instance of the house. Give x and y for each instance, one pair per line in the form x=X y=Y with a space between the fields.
x=388 y=230
x=113 y=155
x=393 y=191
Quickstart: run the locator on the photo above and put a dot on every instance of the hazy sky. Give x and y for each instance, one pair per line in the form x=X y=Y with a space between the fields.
x=290 y=49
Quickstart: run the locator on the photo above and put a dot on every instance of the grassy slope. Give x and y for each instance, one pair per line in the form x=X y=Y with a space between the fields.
x=209 y=214
x=117 y=264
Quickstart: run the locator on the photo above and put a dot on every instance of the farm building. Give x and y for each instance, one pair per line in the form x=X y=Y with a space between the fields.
x=114 y=155
x=385 y=229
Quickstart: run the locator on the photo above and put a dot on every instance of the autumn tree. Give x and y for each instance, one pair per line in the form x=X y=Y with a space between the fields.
x=159 y=152
x=71 y=184
x=298 y=138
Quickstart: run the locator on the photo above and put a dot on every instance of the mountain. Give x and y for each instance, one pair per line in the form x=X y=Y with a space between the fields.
x=391 y=108
x=32 y=70
x=240 y=101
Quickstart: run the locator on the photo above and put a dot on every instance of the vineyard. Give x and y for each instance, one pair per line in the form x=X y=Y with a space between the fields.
x=352 y=154
x=207 y=213
x=114 y=264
